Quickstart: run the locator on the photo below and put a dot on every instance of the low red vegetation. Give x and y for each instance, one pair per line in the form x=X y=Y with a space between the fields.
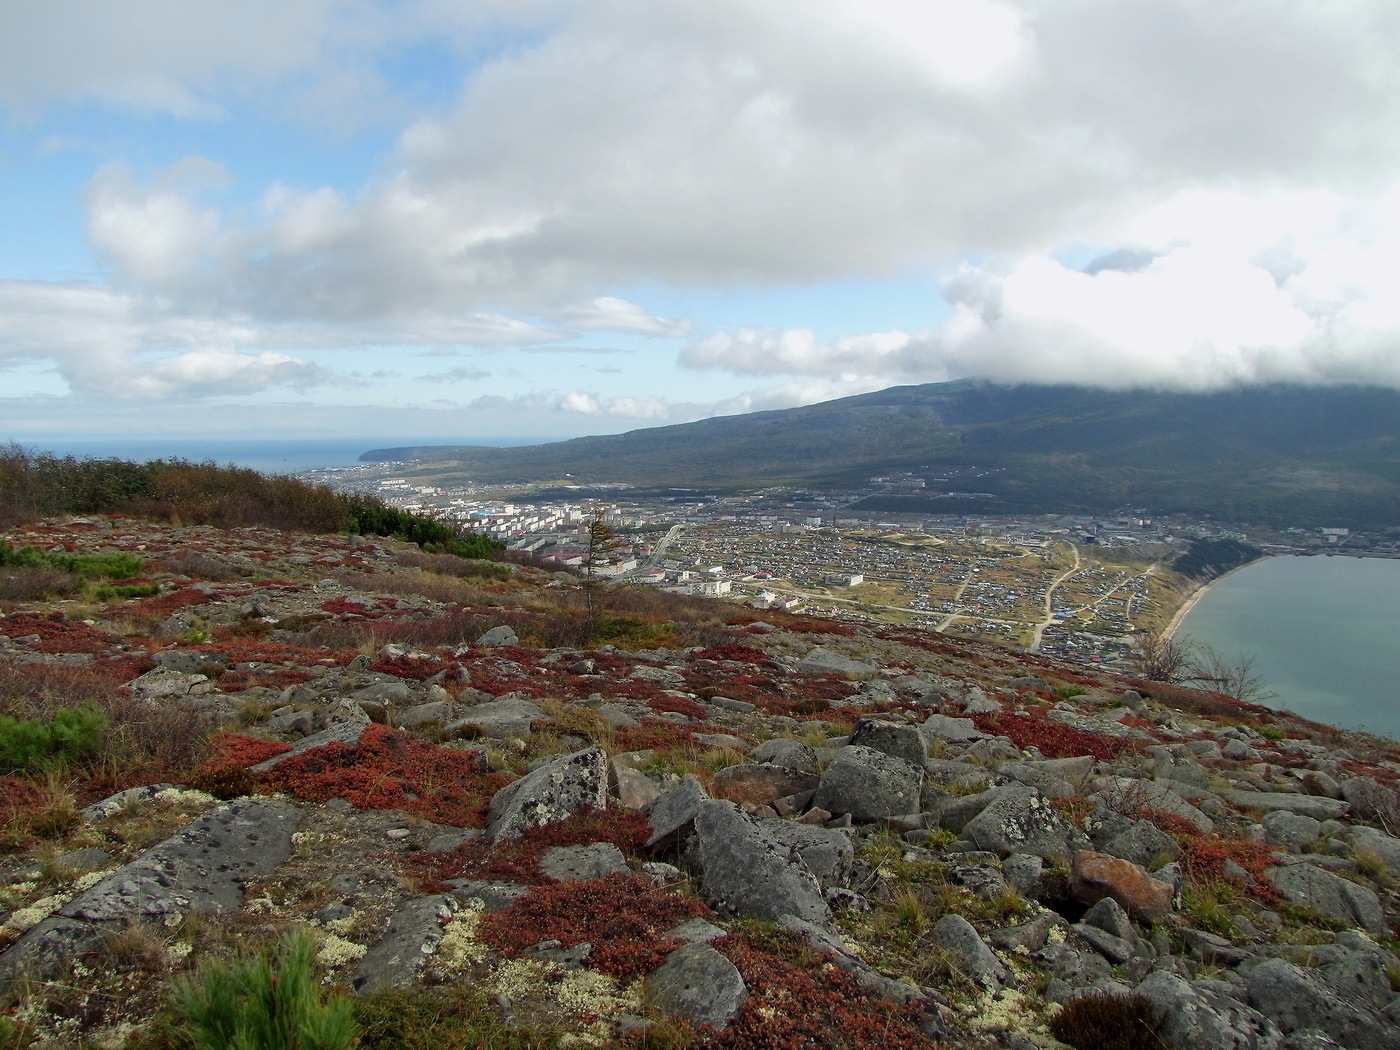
x=267 y=677
x=518 y=861
x=791 y=1006
x=247 y=650
x=58 y=634
x=234 y=750
x=417 y=668
x=679 y=705
x=733 y=651
x=343 y=606
x=622 y=916
x=19 y=796
x=162 y=605
x=1204 y=856
x=390 y=770
x=1055 y=739
x=655 y=734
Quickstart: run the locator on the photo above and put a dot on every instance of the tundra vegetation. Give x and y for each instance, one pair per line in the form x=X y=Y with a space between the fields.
x=307 y=785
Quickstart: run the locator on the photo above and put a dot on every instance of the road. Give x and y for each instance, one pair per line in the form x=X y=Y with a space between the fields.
x=1049 y=600
x=657 y=553
x=956 y=598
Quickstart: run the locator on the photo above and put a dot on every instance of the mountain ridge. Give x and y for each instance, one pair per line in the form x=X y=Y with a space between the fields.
x=1288 y=454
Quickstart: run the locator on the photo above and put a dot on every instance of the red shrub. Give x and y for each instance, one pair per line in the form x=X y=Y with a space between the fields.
x=733 y=651
x=654 y=734
x=232 y=749
x=270 y=678
x=59 y=634
x=390 y=770
x=163 y=605
x=417 y=668
x=518 y=861
x=791 y=1006
x=1055 y=739
x=18 y=796
x=680 y=705
x=621 y=916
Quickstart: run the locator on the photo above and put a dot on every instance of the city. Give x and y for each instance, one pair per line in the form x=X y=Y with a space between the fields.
x=1064 y=585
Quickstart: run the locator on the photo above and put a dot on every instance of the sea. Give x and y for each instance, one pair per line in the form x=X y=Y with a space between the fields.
x=267 y=455
x=1323 y=632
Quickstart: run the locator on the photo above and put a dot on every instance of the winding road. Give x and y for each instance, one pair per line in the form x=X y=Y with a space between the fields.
x=1049 y=599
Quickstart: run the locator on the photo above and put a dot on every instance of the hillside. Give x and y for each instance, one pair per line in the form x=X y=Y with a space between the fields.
x=1304 y=456
x=488 y=820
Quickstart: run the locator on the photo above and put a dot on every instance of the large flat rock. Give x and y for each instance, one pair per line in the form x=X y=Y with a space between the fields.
x=201 y=868
x=1316 y=806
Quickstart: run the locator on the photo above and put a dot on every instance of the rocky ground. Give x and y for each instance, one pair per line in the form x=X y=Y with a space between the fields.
x=714 y=831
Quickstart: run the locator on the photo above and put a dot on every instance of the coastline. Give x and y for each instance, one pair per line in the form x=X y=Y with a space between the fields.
x=1175 y=623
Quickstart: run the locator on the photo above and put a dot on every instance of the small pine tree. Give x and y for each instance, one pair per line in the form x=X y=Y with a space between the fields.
x=601 y=542
x=265 y=1002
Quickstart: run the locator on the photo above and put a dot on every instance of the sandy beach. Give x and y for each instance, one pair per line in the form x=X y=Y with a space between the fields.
x=1200 y=591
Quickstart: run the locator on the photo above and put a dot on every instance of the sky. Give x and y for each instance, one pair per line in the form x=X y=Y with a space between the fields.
x=517 y=220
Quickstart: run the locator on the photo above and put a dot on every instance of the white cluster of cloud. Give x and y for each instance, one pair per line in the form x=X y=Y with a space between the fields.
x=1235 y=161
x=1234 y=291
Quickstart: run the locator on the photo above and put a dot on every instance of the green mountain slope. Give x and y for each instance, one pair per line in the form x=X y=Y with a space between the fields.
x=1286 y=454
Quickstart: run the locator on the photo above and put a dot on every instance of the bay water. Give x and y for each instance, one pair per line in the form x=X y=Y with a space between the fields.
x=1323 y=632
x=271 y=455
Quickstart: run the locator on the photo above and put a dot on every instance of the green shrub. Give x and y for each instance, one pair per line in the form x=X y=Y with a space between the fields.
x=71 y=735
x=13 y=1035
x=1107 y=1022
x=371 y=516
x=111 y=592
x=87 y=566
x=265 y=1002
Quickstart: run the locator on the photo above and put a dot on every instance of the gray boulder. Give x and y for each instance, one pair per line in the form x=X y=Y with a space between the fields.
x=509 y=716
x=974 y=958
x=827 y=853
x=1334 y=896
x=957 y=812
x=579 y=863
x=415 y=931
x=823 y=661
x=1316 y=806
x=1044 y=781
x=1074 y=966
x=953 y=730
x=747 y=870
x=555 y=791
x=672 y=814
x=896 y=739
x=791 y=754
x=868 y=785
x=1196 y=1016
x=1143 y=843
x=698 y=985
x=1296 y=1000
x=1385 y=846
x=201 y=868
x=1020 y=820
x=500 y=635
x=420 y=714
x=1292 y=831
x=164 y=683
